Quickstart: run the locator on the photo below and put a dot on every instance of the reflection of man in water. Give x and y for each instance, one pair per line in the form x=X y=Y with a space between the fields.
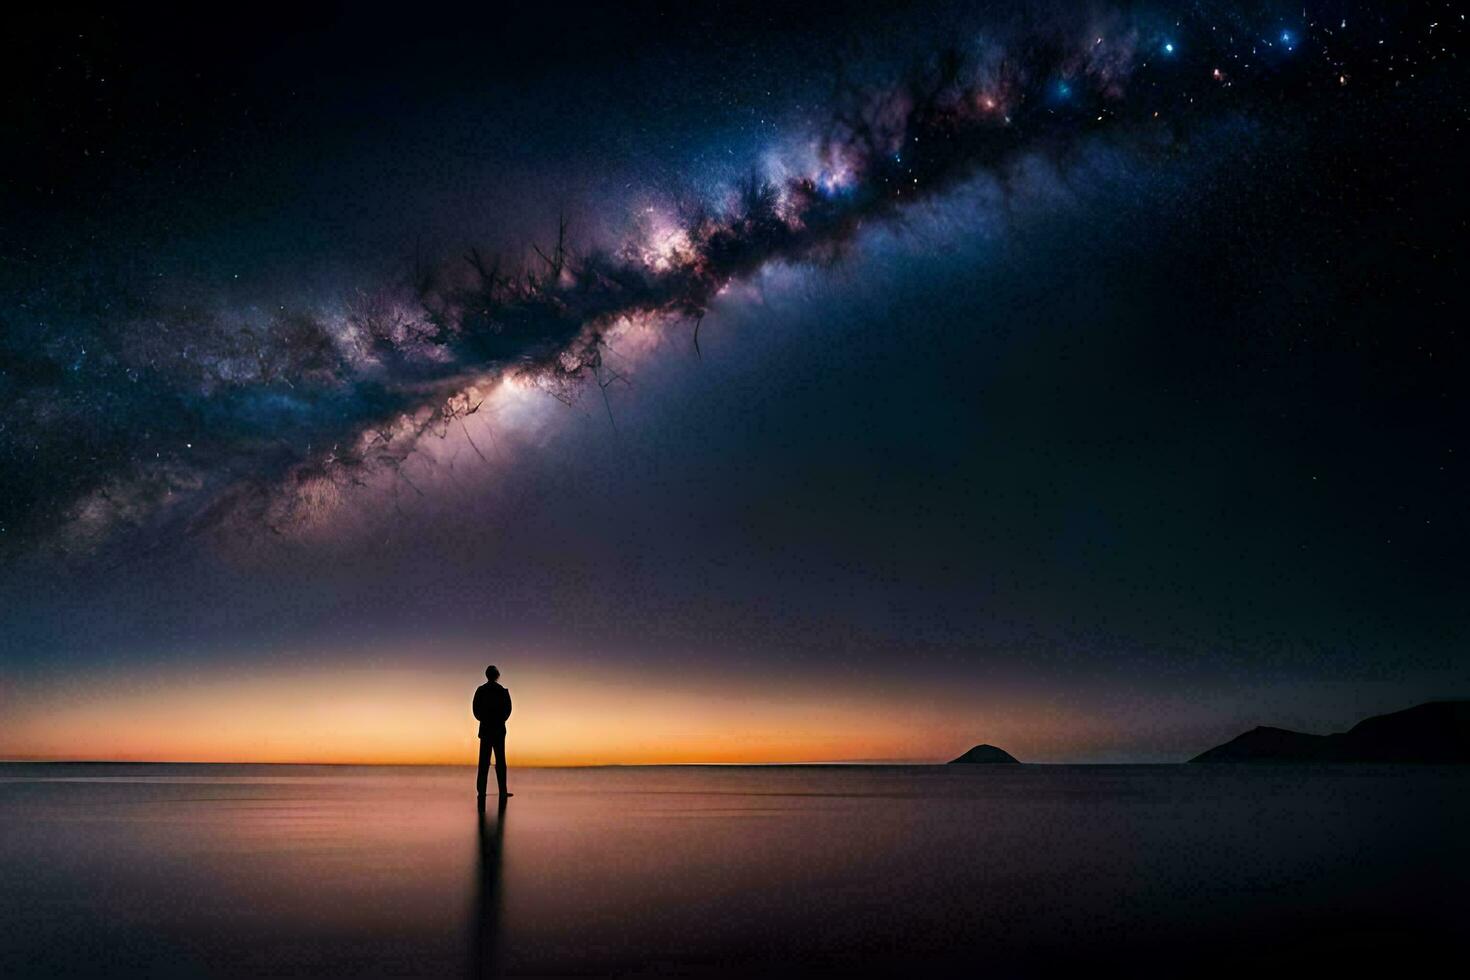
x=485 y=959
x=492 y=707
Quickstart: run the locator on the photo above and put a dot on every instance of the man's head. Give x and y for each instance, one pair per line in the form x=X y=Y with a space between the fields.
x=492 y=673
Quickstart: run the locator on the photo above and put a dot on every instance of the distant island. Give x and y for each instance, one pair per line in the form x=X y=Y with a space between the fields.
x=985 y=755
x=1435 y=732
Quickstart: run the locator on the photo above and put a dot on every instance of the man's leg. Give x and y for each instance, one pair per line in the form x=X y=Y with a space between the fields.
x=500 y=762
x=485 y=744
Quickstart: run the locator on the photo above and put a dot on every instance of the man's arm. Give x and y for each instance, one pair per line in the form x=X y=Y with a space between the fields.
x=507 y=706
x=478 y=704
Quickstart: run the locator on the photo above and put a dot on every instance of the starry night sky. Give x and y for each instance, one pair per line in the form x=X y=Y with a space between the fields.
x=1109 y=405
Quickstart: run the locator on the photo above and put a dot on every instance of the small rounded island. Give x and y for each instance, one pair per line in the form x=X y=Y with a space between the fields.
x=985 y=755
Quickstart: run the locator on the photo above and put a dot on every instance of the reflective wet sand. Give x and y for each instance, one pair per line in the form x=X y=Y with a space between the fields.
x=151 y=870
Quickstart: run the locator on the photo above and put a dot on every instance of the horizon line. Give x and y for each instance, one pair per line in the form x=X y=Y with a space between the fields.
x=567 y=765
x=469 y=763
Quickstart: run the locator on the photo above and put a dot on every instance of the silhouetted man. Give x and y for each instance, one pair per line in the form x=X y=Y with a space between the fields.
x=492 y=708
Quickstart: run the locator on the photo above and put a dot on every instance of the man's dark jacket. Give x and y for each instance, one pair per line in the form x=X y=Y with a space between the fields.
x=491 y=707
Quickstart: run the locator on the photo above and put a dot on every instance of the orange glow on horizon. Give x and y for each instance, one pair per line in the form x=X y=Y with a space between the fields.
x=356 y=715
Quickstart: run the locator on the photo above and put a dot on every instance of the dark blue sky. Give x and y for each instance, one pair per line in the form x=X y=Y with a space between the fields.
x=1135 y=418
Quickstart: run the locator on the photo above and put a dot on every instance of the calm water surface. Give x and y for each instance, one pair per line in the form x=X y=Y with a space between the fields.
x=168 y=870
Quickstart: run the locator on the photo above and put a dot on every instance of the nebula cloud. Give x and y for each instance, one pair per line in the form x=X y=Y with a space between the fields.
x=124 y=415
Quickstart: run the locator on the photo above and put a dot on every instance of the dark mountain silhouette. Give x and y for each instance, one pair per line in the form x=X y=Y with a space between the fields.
x=984 y=754
x=1438 y=731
